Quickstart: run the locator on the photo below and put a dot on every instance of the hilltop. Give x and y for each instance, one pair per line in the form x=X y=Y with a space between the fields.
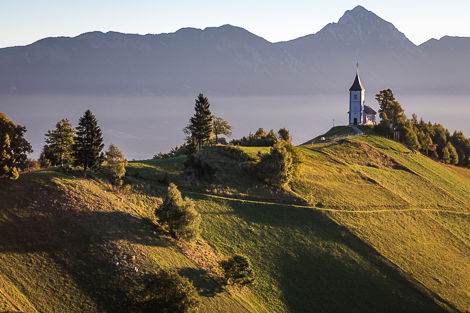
x=369 y=226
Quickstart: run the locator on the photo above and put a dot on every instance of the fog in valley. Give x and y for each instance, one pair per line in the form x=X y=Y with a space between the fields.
x=143 y=125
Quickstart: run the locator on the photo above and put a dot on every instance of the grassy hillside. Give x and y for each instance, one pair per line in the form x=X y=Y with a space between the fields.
x=369 y=226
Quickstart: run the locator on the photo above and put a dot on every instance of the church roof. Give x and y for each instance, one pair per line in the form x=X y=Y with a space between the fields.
x=357 y=85
x=369 y=110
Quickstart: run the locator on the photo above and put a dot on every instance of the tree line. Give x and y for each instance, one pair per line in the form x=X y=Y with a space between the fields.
x=433 y=140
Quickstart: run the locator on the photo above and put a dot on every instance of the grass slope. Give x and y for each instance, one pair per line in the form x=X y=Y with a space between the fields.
x=369 y=226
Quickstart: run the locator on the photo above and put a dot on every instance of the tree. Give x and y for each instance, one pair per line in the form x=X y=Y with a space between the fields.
x=220 y=127
x=87 y=150
x=409 y=136
x=237 y=270
x=453 y=155
x=14 y=148
x=284 y=134
x=167 y=292
x=200 y=125
x=280 y=165
x=60 y=143
x=462 y=145
x=116 y=163
x=391 y=113
x=179 y=215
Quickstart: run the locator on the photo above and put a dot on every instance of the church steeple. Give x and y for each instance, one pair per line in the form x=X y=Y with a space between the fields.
x=357 y=85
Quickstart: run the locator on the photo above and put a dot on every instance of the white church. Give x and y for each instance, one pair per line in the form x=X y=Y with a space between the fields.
x=359 y=113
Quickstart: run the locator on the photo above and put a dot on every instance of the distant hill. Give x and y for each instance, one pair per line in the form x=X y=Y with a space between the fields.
x=369 y=226
x=229 y=60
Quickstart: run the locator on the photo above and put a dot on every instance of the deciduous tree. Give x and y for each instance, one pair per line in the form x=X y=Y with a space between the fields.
x=220 y=127
x=179 y=215
x=60 y=143
x=14 y=148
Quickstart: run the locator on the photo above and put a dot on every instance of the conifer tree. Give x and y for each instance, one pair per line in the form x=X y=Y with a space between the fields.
x=13 y=148
x=87 y=150
x=200 y=125
x=60 y=143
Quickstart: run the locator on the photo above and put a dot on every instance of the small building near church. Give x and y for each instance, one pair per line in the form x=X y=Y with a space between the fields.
x=359 y=113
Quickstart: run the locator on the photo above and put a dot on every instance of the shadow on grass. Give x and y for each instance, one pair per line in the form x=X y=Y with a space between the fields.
x=348 y=276
x=84 y=245
x=206 y=285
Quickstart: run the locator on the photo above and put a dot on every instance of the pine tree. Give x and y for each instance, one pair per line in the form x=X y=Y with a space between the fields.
x=60 y=143
x=200 y=125
x=13 y=148
x=87 y=150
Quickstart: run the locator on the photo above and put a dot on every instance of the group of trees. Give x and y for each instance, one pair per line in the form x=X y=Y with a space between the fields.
x=433 y=140
x=14 y=148
x=82 y=147
x=205 y=128
x=261 y=138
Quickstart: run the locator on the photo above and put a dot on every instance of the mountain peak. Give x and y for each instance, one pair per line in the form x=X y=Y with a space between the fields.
x=359 y=14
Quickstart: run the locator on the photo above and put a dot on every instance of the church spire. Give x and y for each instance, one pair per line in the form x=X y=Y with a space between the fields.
x=357 y=85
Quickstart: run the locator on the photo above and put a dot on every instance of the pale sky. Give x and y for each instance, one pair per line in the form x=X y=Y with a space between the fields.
x=25 y=21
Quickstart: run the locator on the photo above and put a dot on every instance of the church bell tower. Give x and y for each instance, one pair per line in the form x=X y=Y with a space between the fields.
x=356 y=101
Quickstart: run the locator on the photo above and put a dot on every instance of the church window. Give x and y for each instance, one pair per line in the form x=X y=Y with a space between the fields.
x=355 y=97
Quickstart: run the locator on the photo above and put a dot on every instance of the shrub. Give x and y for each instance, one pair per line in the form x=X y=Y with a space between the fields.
x=179 y=215
x=237 y=270
x=167 y=292
x=197 y=168
x=278 y=167
x=258 y=139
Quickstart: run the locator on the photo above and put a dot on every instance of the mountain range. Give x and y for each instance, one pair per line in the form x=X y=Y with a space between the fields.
x=229 y=60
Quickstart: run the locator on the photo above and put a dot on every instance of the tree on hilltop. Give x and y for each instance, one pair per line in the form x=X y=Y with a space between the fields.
x=59 y=143
x=284 y=134
x=392 y=116
x=220 y=127
x=200 y=124
x=87 y=150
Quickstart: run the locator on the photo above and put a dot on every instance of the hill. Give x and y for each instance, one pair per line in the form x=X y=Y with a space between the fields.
x=229 y=60
x=369 y=226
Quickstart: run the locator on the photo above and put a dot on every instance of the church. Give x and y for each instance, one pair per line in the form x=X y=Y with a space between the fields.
x=359 y=113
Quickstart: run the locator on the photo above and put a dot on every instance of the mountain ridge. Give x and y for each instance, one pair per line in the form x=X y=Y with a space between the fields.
x=230 y=60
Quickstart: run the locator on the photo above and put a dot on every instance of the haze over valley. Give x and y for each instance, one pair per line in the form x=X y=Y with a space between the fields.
x=301 y=84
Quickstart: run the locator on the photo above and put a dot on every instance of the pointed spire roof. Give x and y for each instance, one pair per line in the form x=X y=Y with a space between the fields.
x=357 y=85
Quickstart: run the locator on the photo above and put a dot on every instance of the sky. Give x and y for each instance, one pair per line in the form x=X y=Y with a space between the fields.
x=25 y=21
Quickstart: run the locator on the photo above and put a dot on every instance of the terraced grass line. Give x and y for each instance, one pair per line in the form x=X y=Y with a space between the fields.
x=328 y=209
